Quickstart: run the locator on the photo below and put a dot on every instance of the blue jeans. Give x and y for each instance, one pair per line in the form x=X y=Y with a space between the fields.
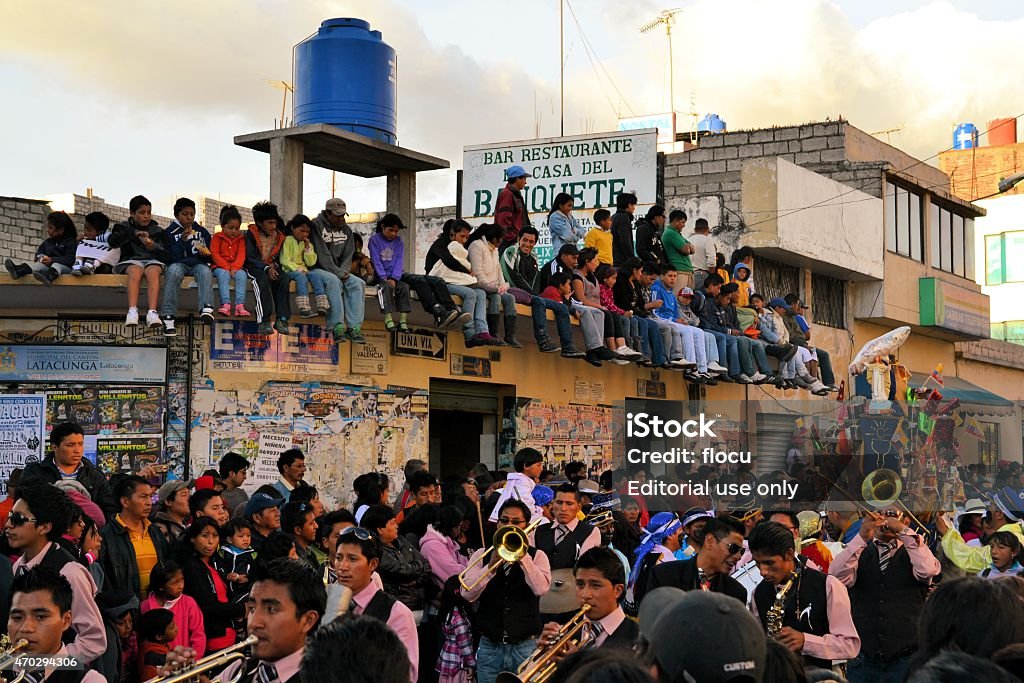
x=224 y=278
x=493 y=658
x=751 y=353
x=540 y=307
x=172 y=285
x=865 y=670
x=496 y=302
x=473 y=301
x=347 y=298
x=303 y=279
x=728 y=350
x=650 y=340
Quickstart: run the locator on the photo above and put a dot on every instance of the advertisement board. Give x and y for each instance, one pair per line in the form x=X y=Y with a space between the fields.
x=593 y=169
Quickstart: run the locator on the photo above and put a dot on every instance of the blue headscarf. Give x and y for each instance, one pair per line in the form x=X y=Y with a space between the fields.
x=660 y=527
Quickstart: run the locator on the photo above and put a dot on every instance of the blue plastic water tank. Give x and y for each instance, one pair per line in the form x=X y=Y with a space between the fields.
x=711 y=124
x=965 y=136
x=347 y=76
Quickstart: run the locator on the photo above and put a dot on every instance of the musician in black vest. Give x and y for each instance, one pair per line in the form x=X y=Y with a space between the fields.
x=721 y=545
x=285 y=605
x=816 y=621
x=601 y=583
x=36 y=522
x=356 y=559
x=887 y=568
x=508 y=612
x=564 y=541
x=41 y=613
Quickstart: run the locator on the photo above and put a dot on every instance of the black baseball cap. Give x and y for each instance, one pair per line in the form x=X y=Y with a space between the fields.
x=706 y=637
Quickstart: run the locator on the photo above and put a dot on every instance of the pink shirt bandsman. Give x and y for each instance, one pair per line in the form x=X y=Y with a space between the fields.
x=924 y=563
x=86 y=619
x=591 y=541
x=537 y=570
x=609 y=624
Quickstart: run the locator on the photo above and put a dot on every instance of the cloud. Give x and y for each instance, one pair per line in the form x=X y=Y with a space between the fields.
x=144 y=63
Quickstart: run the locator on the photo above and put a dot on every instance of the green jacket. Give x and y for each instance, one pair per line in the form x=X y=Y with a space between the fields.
x=973 y=560
x=673 y=242
x=295 y=255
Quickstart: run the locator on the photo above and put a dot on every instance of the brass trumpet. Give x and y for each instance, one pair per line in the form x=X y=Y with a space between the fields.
x=9 y=653
x=541 y=664
x=882 y=488
x=510 y=544
x=210 y=662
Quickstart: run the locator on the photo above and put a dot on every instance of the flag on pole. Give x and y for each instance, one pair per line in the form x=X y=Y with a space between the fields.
x=801 y=426
x=958 y=420
x=925 y=423
x=936 y=376
x=973 y=428
x=900 y=435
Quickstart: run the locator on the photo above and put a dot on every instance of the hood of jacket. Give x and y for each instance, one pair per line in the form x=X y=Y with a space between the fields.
x=254 y=230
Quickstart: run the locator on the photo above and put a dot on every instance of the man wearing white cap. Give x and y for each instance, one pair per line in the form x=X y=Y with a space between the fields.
x=332 y=240
x=510 y=208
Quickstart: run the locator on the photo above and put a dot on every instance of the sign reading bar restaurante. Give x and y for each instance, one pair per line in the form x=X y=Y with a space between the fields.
x=593 y=169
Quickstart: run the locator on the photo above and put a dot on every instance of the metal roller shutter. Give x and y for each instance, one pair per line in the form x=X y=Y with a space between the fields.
x=774 y=436
x=471 y=397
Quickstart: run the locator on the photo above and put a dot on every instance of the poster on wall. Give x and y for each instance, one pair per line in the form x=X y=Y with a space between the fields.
x=72 y=405
x=343 y=430
x=124 y=410
x=564 y=433
x=235 y=346
x=593 y=169
x=127 y=454
x=22 y=432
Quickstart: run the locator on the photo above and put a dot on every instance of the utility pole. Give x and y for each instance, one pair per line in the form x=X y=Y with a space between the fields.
x=666 y=18
x=561 y=67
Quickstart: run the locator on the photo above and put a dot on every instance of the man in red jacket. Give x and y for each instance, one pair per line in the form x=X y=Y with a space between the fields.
x=510 y=209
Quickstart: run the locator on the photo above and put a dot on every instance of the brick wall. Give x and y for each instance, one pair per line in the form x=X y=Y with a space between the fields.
x=976 y=172
x=713 y=169
x=208 y=213
x=22 y=227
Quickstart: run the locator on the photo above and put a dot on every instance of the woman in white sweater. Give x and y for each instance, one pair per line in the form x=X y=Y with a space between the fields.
x=463 y=285
x=484 y=257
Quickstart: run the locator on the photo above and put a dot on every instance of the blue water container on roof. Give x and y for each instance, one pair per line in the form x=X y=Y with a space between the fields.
x=711 y=124
x=347 y=76
x=965 y=136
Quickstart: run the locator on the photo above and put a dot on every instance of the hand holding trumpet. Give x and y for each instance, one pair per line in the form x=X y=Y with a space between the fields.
x=886 y=521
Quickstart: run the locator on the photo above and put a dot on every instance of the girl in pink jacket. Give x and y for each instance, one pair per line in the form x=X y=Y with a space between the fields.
x=166 y=590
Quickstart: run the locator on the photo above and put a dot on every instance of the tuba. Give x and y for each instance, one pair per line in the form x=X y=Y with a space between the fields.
x=538 y=667
x=777 y=612
x=210 y=663
x=510 y=544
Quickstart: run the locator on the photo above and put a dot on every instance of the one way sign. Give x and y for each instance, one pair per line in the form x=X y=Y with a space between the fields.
x=423 y=343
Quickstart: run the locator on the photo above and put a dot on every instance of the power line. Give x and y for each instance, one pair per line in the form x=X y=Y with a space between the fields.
x=593 y=54
x=789 y=212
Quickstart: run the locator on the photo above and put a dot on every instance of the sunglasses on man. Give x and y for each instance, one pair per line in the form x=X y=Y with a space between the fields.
x=19 y=518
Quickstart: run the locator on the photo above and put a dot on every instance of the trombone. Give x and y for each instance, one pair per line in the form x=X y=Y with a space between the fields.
x=509 y=543
x=211 y=662
x=882 y=488
x=541 y=664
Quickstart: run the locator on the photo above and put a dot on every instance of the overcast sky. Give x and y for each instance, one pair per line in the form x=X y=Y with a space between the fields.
x=144 y=96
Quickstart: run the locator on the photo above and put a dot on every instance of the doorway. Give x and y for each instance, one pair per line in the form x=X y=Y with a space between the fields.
x=464 y=426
